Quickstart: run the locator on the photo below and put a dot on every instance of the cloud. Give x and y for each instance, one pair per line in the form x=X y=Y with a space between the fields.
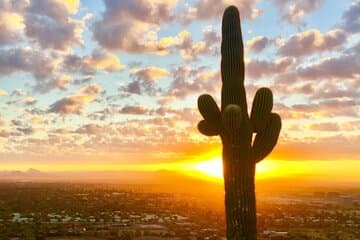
x=26 y=130
x=329 y=108
x=350 y=125
x=11 y=24
x=208 y=9
x=317 y=107
x=328 y=126
x=9 y=5
x=151 y=73
x=293 y=11
x=3 y=121
x=190 y=50
x=29 y=101
x=133 y=87
x=103 y=60
x=351 y=18
x=70 y=105
x=71 y=5
x=82 y=80
x=59 y=82
x=189 y=80
x=144 y=80
x=136 y=110
x=16 y=122
x=312 y=41
x=329 y=78
x=335 y=126
x=41 y=64
x=11 y=21
x=51 y=34
x=317 y=88
x=76 y=103
x=54 y=9
x=3 y=92
x=18 y=92
x=125 y=36
x=4 y=133
x=319 y=148
x=90 y=90
x=336 y=92
x=39 y=119
x=343 y=66
x=210 y=36
x=132 y=25
x=140 y=10
x=62 y=82
x=88 y=64
x=258 y=43
x=139 y=38
x=90 y=129
x=258 y=68
x=49 y=23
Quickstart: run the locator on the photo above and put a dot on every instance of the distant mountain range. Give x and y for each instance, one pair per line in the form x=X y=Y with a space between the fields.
x=164 y=181
x=15 y=174
x=126 y=177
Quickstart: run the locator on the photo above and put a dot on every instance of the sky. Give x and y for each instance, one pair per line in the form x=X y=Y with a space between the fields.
x=107 y=85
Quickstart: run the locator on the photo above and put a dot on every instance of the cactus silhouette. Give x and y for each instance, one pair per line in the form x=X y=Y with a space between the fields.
x=236 y=128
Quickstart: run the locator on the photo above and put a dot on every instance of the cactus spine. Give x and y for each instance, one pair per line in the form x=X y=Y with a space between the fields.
x=235 y=128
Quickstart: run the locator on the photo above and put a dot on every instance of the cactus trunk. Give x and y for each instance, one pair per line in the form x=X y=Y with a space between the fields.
x=239 y=195
x=236 y=128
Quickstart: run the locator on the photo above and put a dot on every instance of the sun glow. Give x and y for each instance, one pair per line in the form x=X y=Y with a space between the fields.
x=212 y=168
x=271 y=169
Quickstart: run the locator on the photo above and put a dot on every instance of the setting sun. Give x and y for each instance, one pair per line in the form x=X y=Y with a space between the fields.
x=212 y=167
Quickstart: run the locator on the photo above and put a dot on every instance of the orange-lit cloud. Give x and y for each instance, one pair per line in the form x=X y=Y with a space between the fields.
x=11 y=23
x=74 y=104
x=103 y=60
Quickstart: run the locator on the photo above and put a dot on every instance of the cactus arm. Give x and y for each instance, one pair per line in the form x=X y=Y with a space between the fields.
x=261 y=109
x=266 y=140
x=232 y=61
x=210 y=111
x=207 y=129
x=212 y=123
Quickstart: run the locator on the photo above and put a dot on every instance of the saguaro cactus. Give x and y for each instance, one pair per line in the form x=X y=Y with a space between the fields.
x=236 y=128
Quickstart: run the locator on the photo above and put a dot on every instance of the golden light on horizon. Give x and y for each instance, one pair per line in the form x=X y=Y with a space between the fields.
x=212 y=167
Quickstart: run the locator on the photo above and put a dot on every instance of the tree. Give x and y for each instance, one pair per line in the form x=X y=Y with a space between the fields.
x=236 y=128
